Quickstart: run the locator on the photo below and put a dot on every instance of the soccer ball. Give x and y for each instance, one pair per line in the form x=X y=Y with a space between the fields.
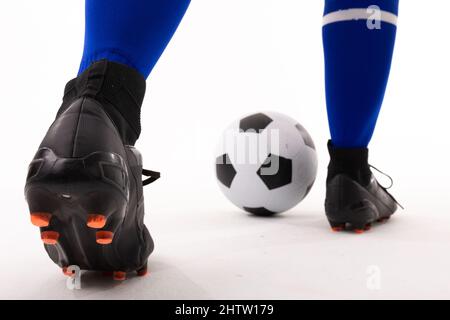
x=266 y=163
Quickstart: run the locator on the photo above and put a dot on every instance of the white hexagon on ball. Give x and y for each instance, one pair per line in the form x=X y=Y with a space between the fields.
x=266 y=163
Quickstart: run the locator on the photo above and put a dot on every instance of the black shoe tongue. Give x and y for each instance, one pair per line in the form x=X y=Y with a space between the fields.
x=118 y=88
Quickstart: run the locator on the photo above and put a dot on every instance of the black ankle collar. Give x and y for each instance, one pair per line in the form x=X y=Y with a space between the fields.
x=119 y=89
x=350 y=161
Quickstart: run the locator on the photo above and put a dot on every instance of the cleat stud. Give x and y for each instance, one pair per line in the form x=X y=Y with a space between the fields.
x=359 y=231
x=50 y=237
x=367 y=227
x=40 y=219
x=104 y=237
x=142 y=272
x=119 y=275
x=337 y=229
x=96 y=221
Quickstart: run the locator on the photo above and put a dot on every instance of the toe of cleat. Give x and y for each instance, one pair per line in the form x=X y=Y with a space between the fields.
x=104 y=237
x=96 y=221
x=119 y=275
x=50 y=237
x=40 y=219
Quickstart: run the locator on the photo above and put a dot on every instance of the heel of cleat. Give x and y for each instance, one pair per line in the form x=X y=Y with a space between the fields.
x=83 y=220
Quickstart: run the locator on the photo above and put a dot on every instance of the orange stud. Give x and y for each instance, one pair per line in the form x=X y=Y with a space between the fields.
x=338 y=229
x=50 y=237
x=104 y=237
x=40 y=219
x=142 y=272
x=96 y=221
x=359 y=231
x=119 y=275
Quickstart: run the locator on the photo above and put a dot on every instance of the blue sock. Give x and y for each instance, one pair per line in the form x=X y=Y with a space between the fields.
x=358 y=46
x=132 y=32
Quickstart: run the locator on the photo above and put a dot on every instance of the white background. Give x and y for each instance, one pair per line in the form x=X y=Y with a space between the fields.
x=230 y=58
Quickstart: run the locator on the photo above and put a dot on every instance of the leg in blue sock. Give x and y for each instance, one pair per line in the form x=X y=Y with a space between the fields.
x=358 y=44
x=132 y=32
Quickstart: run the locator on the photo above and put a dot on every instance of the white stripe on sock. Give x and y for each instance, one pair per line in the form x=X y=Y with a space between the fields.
x=359 y=14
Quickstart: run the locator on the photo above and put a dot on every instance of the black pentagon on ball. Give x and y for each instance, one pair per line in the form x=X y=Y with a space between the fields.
x=224 y=170
x=261 y=212
x=306 y=136
x=276 y=172
x=256 y=122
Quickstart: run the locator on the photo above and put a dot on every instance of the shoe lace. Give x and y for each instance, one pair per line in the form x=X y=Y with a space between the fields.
x=387 y=188
x=152 y=176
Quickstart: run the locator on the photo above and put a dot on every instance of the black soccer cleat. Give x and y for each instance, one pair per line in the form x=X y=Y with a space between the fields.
x=354 y=197
x=84 y=187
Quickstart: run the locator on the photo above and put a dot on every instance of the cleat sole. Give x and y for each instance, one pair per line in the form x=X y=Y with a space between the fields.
x=82 y=219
